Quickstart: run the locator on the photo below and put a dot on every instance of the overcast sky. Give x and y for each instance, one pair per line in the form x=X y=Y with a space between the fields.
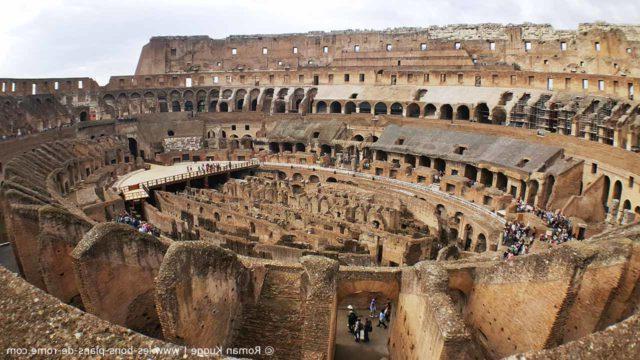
x=64 y=38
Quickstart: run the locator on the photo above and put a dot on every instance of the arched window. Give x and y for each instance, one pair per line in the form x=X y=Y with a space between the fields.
x=380 y=108
x=413 y=110
x=365 y=108
x=446 y=112
x=396 y=109
x=336 y=108
x=321 y=107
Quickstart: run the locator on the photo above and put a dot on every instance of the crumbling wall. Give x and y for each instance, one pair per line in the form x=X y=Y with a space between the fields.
x=426 y=324
x=59 y=234
x=208 y=296
x=199 y=294
x=116 y=266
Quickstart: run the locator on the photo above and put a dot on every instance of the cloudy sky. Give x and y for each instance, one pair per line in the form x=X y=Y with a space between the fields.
x=61 y=38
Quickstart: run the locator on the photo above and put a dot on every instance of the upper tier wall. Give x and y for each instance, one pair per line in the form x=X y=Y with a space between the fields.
x=593 y=48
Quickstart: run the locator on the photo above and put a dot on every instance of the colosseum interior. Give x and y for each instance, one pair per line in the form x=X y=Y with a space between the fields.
x=477 y=181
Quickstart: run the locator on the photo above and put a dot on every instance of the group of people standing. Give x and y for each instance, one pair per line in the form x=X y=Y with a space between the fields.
x=361 y=329
x=141 y=226
x=521 y=236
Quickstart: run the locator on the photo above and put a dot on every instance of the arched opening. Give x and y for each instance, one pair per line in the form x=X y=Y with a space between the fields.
x=297 y=177
x=617 y=190
x=287 y=147
x=486 y=177
x=325 y=149
x=396 y=109
x=133 y=147
x=413 y=110
x=470 y=172
x=239 y=104
x=83 y=116
x=213 y=106
x=349 y=107
x=357 y=137
x=380 y=109
x=321 y=107
x=462 y=113
x=468 y=237
x=365 y=108
x=626 y=205
x=201 y=106
x=175 y=106
x=188 y=106
x=254 y=105
x=446 y=112
x=605 y=192
x=224 y=107
x=441 y=211
x=430 y=110
x=440 y=165
x=280 y=107
x=501 y=181
x=499 y=116
x=533 y=191
x=481 y=244
x=314 y=179
x=336 y=108
x=551 y=180
x=274 y=147
x=332 y=180
x=300 y=147
x=482 y=113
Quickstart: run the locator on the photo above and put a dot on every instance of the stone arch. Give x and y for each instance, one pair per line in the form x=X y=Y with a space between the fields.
x=446 y=112
x=617 y=190
x=430 y=110
x=239 y=99
x=349 y=107
x=253 y=99
x=468 y=237
x=481 y=243
x=396 y=108
x=462 y=112
x=336 y=107
x=314 y=179
x=321 y=107
x=296 y=99
x=413 y=110
x=499 y=115
x=365 y=108
x=481 y=113
x=380 y=108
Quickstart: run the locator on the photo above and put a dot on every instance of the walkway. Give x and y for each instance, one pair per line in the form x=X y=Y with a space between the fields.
x=136 y=185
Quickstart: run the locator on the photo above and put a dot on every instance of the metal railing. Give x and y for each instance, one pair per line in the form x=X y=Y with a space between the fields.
x=215 y=169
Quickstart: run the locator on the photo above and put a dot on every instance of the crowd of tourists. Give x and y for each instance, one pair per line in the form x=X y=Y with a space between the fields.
x=142 y=226
x=360 y=329
x=520 y=237
x=208 y=167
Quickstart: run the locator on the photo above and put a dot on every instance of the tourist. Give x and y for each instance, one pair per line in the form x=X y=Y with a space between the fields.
x=382 y=319
x=351 y=319
x=372 y=308
x=358 y=328
x=368 y=327
x=387 y=312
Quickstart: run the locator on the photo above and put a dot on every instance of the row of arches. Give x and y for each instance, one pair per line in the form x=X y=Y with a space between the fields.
x=214 y=100
x=481 y=112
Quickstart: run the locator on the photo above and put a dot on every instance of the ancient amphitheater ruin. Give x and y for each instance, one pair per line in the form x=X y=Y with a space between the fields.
x=237 y=197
